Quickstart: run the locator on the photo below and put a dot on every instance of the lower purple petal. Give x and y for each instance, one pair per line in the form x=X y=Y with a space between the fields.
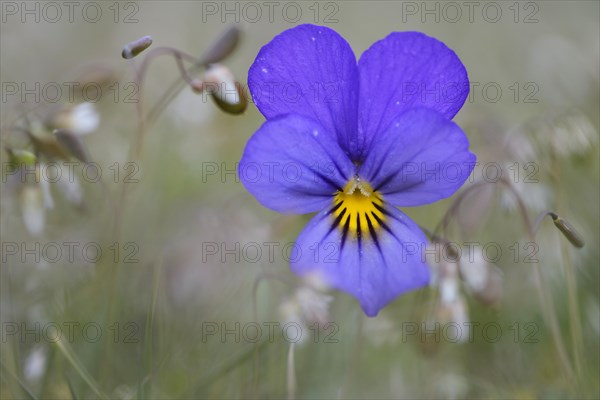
x=374 y=267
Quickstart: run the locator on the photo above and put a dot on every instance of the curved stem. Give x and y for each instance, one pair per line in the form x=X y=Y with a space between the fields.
x=178 y=56
x=291 y=373
x=445 y=221
x=540 y=218
x=545 y=297
x=574 y=316
x=135 y=152
x=260 y=278
x=170 y=94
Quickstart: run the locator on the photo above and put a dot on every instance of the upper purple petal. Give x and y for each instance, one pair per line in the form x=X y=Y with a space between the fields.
x=420 y=158
x=309 y=70
x=373 y=271
x=405 y=70
x=293 y=165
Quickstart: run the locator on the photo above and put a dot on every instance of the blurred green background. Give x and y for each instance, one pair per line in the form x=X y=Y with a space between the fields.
x=145 y=328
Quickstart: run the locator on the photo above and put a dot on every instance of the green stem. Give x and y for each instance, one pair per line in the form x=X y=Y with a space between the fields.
x=546 y=301
x=574 y=316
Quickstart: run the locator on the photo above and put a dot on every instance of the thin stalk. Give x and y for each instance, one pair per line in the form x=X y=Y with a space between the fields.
x=178 y=56
x=21 y=384
x=260 y=278
x=79 y=368
x=15 y=348
x=354 y=364
x=149 y=337
x=291 y=373
x=443 y=224
x=545 y=298
x=546 y=301
x=574 y=316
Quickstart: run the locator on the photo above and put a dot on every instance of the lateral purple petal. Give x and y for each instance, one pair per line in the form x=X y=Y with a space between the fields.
x=373 y=271
x=309 y=70
x=405 y=70
x=420 y=158
x=292 y=165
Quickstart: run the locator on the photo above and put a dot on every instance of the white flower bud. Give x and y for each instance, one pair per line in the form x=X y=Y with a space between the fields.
x=226 y=92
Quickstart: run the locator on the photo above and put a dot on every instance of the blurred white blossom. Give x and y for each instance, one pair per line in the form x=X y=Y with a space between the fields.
x=80 y=119
x=35 y=363
x=536 y=196
x=33 y=209
x=305 y=307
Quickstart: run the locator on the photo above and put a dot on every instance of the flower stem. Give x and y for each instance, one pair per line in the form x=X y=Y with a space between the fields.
x=291 y=374
x=546 y=301
x=545 y=298
x=574 y=316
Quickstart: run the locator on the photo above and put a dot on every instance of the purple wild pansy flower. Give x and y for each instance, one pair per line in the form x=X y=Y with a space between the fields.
x=353 y=141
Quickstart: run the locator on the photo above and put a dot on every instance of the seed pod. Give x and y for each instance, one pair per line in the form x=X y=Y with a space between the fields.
x=222 y=47
x=132 y=49
x=568 y=230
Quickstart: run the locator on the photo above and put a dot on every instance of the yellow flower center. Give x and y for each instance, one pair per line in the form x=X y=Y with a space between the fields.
x=358 y=209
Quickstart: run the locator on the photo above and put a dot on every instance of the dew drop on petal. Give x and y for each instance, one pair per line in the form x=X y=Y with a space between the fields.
x=264 y=70
x=315 y=133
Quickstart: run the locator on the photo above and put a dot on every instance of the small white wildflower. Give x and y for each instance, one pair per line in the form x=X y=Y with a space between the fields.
x=448 y=282
x=81 y=119
x=69 y=186
x=483 y=279
x=454 y=312
x=474 y=271
x=47 y=195
x=85 y=119
x=313 y=305
x=35 y=363
x=306 y=307
x=572 y=134
x=519 y=146
x=32 y=208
